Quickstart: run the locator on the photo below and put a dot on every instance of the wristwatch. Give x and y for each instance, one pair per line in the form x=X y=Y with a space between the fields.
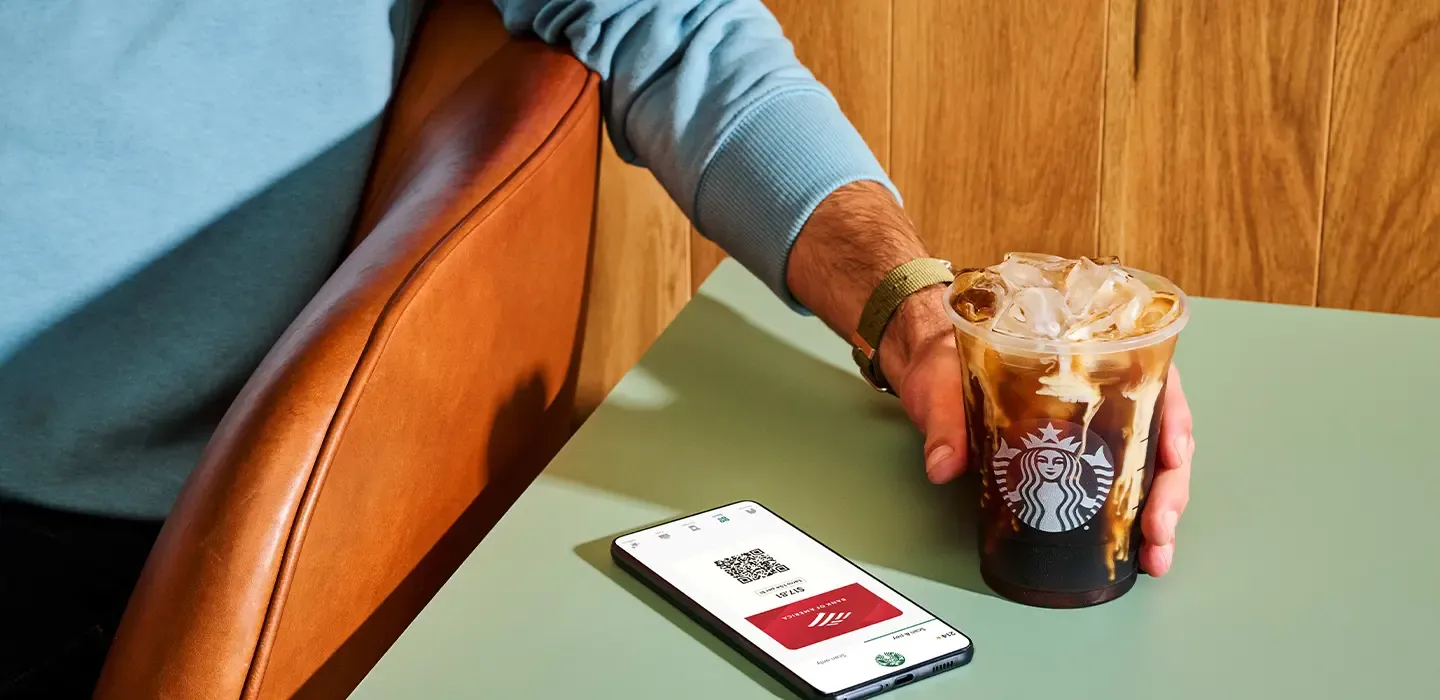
x=897 y=286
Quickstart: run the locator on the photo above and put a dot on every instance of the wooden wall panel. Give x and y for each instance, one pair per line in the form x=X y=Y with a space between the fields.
x=704 y=256
x=996 y=124
x=1192 y=137
x=640 y=274
x=1215 y=143
x=847 y=46
x=1381 y=242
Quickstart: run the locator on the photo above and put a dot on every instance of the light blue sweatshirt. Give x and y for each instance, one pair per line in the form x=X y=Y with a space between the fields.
x=178 y=177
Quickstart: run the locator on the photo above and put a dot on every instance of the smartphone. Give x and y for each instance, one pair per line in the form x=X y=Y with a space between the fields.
x=814 y=620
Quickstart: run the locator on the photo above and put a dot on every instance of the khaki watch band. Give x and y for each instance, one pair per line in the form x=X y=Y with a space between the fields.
x=897 y=285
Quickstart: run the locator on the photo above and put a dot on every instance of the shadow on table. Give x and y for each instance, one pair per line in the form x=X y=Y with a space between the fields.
x=597 y=554
x=735 y=413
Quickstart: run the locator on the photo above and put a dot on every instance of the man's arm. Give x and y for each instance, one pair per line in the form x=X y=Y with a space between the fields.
x=854 y=238
x=709 y=96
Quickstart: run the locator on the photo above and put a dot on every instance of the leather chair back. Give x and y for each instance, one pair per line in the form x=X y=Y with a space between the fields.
x=407 y=406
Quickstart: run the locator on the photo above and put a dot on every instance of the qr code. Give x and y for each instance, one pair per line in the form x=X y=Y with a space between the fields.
x=751 y=566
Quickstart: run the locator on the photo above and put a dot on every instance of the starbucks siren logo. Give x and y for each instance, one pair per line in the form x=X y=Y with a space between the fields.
x=1049 y=483
x=889 y=658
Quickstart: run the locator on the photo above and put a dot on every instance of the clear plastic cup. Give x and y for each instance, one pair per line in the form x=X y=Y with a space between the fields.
x=1064 y=435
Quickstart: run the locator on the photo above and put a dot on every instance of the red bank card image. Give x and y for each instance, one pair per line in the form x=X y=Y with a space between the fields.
x=815 y=619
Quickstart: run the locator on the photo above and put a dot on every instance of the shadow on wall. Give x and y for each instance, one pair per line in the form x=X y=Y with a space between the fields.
x=764 y=421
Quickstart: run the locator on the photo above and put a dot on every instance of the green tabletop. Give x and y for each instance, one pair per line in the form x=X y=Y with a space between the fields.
x=1308 y=564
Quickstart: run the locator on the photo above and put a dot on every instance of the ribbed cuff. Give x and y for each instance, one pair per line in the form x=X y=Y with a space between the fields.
x=782 y=158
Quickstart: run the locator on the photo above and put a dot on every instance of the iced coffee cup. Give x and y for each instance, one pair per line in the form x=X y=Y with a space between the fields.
x=1064 y=364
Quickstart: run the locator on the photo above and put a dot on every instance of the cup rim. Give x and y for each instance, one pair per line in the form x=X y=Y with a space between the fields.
x=1036 y=346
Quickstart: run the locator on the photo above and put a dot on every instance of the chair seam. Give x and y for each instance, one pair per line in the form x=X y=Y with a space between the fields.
x=374 y=347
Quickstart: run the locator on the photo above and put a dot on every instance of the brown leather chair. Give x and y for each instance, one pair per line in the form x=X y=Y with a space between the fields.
x=410 y=402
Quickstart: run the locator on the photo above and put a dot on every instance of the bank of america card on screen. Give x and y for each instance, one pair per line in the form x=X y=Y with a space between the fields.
x=808 y=608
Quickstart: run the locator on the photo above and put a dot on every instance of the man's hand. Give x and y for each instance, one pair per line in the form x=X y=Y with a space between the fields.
x=853 y=239
x=928 y=381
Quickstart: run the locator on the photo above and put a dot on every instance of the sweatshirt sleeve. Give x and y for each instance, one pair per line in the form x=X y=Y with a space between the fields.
x=709 y=96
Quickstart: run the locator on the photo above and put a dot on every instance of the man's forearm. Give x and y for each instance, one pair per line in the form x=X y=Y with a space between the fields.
x=708 y=95
x=857 y=235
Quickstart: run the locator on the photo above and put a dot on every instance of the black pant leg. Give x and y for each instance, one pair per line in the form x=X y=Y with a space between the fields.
x=64 y=582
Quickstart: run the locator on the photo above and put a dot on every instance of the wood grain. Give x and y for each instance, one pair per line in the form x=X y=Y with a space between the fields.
x=1381 y=240
x=847 y=46
x=996 y=124
x=640 y=274
x=704 y=257
x=1215 y=143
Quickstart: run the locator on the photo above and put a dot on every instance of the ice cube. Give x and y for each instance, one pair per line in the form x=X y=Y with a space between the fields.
x=1048 y=297
x=1127 y=316
x=1113 y=311
x=1036 y=312
x=1089 y=281
x=1089 y=328
x=1023 y=270
x=1162 y=309
x=978 y=294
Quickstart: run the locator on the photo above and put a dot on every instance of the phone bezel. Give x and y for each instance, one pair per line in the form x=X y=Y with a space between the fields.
x=747 y=648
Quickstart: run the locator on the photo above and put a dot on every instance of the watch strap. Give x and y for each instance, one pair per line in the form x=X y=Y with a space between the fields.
x=893 y=289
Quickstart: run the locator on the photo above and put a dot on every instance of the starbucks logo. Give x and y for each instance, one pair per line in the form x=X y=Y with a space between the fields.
x=889 y=658
x=1049 y=481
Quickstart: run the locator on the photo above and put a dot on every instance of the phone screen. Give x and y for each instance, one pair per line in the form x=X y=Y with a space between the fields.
x=809 y=609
